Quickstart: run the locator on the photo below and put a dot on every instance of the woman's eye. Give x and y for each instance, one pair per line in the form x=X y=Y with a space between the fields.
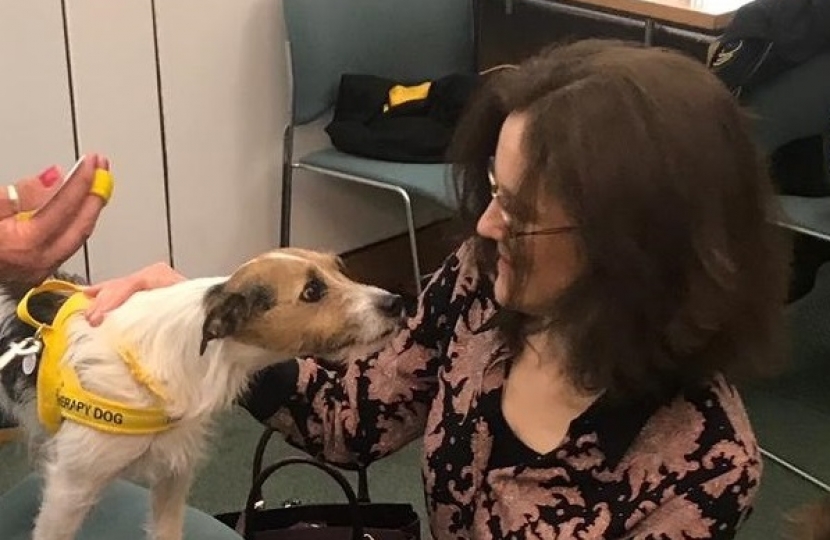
x=314 y=291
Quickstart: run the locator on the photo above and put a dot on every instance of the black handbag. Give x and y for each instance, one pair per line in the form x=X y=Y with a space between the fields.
x=416 y=131
x=358 y=519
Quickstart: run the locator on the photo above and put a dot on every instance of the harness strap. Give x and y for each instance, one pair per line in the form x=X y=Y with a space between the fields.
x=60 y=394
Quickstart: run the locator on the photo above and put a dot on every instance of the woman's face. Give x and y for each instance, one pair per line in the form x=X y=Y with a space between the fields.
x=548 y=239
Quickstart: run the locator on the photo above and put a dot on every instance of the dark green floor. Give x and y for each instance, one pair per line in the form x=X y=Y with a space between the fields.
x=223 y=483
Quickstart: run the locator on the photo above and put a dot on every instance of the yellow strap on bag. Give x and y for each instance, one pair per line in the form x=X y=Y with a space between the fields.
x=60 y=394
x=400 y=94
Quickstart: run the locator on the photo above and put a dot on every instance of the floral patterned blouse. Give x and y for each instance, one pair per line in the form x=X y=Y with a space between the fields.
x=685 y=468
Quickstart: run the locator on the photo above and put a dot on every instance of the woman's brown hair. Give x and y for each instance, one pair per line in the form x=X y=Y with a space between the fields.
x=685 y=275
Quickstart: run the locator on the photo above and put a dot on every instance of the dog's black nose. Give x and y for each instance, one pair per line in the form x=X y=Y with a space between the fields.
x=391 y=304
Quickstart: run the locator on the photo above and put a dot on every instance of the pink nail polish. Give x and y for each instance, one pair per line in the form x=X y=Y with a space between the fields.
x=49 y=176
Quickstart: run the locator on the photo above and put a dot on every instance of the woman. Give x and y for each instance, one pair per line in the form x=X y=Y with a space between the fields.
x=566 y=366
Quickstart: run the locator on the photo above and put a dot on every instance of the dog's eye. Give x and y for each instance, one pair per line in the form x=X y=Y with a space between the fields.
x=313 y=291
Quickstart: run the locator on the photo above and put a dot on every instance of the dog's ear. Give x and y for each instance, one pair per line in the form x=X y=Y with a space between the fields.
x=227 y=312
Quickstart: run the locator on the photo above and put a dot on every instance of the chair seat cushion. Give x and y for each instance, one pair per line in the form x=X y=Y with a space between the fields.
x=429 y=180
x=122 y=514
x=810 y=215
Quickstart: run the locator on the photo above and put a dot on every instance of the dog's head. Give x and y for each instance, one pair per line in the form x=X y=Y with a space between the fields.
x=296 y=302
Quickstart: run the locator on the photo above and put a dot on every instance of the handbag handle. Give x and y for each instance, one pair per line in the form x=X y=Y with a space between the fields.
x=257 y=466
x=256 y=469
x=354 y=506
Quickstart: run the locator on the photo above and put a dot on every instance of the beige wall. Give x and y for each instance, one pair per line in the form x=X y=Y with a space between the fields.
x=222 y=73
x=114 y=79
x=35 y=118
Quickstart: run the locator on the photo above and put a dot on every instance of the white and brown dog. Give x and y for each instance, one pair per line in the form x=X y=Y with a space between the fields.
x=200 y=341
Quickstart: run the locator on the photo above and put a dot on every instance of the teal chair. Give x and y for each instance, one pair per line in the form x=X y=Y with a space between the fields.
x=806 y=215
x=402 y=40
x=809 y=216
x=120 y=515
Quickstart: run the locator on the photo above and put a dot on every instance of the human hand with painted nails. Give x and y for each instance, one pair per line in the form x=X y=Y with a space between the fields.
x=60 y=217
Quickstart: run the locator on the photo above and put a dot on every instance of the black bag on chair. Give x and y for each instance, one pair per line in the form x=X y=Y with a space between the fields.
x=367 y=122
x=358 y=519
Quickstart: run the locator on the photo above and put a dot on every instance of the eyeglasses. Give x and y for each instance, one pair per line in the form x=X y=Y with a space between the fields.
x=509 y=220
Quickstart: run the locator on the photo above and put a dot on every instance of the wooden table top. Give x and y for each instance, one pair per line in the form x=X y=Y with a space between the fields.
x=705 y=15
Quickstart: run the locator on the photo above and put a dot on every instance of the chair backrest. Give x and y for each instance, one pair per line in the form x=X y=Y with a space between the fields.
x=406 y=40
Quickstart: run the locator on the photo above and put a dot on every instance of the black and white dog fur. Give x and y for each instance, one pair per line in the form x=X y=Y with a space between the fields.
x=280 y=305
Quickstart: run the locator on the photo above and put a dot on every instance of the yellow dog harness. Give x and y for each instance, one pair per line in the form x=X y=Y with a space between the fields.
x=60 y=394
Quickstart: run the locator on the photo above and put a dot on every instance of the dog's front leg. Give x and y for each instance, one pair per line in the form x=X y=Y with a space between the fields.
x=81 y=463
x=68 y=496
x=169 y=500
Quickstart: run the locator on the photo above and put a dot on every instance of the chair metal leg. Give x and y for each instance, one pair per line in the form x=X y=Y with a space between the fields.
x=793 y=469
x=287 y=184
x=413 y=241
x=410 y=220
x=285 y=214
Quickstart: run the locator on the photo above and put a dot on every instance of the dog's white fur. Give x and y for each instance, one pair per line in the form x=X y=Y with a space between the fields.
x=163 y=327
x=81 y=461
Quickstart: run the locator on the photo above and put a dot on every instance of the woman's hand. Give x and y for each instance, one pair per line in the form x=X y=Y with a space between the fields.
x=110 y=294
x=32 y=249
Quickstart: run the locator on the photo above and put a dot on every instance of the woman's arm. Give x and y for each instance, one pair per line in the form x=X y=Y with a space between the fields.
x=713 y=509
x=377 y=404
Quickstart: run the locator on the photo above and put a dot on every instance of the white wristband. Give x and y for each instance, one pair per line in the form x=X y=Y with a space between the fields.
x=14 y=198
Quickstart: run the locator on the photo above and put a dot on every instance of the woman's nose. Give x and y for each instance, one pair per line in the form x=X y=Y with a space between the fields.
x=490 y=224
